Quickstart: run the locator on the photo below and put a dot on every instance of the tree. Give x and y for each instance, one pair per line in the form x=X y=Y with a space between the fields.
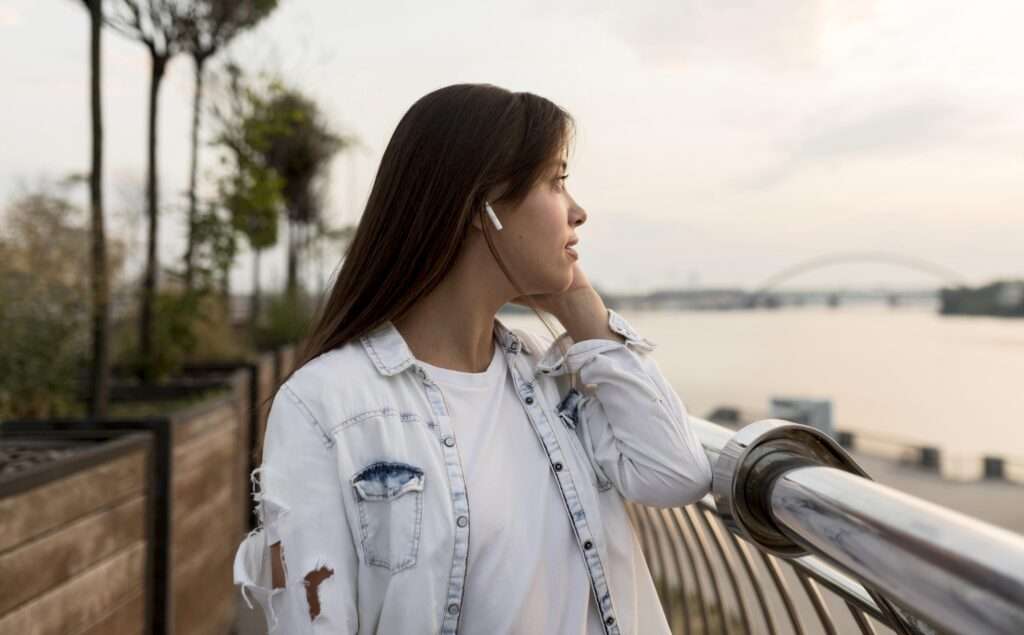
x=157 y=24
x=209 y=25
x=99 y=389
x=253 y=199
x=280 y=147
x=250 y=192
x=297 y=143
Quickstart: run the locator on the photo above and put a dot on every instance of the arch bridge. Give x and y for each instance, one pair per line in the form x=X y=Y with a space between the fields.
x=762 y=295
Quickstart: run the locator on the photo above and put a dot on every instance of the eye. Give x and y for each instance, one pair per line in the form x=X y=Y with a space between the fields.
x=561 y=180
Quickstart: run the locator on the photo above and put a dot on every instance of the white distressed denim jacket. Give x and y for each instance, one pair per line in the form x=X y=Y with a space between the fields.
x=362 y=481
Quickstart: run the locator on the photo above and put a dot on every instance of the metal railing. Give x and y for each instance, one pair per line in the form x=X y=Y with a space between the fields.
x=797 y=539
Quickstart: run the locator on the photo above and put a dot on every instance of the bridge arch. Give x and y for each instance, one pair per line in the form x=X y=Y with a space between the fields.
x=945 y=274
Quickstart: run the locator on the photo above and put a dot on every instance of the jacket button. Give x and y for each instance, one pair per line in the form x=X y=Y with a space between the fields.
x=453 y=608
x=558 y=467
x=462 y=521
x=529 y=400
x=588 y=545
x=449 y=441
x=608 y=620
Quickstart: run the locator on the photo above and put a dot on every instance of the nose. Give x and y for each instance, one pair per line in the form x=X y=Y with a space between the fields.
x=577 y=215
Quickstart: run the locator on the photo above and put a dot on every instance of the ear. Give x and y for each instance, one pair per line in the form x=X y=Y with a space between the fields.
x=475 y=223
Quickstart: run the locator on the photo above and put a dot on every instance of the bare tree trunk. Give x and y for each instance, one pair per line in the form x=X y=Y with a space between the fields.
x=197 y=100
x=100 y=372
x=254 y=307
x=150 y=280
x=307 y=235
x=225 y=286
x=293 y=258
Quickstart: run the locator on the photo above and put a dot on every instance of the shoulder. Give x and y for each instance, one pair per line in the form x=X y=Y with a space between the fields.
x=336 y=384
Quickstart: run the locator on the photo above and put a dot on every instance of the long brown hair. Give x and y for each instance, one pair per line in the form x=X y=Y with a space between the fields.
x=449 y=150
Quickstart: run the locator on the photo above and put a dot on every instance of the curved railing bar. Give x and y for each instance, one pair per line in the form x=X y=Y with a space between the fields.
x=784 y=593
x=748 y=564
x=661 y=579
x=729 y=569
x=827 y=575
x=664 y=537
x=699 y=540
x=818 y=602
x=673 y=514
x=862 y=621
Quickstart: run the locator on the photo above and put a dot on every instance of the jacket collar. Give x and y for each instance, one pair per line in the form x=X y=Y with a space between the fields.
x=391 y=355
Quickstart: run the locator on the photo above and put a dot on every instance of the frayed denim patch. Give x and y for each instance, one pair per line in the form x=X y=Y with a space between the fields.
x=385 y=479
x=389 y=497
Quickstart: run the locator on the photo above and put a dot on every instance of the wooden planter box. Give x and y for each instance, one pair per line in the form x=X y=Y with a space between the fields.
x=200 y=454
x=209 y=508
x=259 y=380
x=197 y=505
x=76 y=548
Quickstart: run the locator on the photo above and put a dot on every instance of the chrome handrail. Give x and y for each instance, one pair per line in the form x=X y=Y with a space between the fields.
x=798 y=539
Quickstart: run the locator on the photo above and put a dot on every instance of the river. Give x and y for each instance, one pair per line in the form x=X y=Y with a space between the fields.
x=956 y=383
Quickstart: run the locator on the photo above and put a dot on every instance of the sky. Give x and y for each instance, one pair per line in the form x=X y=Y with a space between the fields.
x=717 y=143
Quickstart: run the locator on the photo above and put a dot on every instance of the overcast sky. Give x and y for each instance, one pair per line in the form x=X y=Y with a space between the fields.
x=718 y=143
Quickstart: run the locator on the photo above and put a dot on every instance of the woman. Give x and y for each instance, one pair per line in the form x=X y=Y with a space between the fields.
x=426 y=469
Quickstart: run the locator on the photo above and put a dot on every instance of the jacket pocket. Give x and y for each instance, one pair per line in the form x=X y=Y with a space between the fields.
x=389 y=497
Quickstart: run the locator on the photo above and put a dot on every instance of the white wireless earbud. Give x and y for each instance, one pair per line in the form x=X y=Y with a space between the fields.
x=494 y=217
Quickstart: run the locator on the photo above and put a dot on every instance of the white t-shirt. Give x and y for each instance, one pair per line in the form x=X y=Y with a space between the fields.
x=523 y=577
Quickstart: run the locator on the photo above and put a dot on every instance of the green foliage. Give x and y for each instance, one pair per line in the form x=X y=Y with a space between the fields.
x=292 y=138
x=43 y=317
x=251 y=190
x=286 y=320
x=252 y=196
x=160 y=407
x=279 y=145
x=189 y=326
x=42 y=348
x=215 y=245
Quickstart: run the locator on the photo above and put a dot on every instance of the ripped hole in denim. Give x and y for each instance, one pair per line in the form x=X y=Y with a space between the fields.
x=312 y=583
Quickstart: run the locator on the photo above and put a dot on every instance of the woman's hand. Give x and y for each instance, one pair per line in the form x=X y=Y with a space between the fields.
x=579 y=308
x=554 y=302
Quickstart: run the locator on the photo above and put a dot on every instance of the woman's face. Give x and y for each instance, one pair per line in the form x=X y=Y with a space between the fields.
x=537 y=234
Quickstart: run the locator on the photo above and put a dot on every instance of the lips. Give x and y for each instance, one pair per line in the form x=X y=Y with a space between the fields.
x=569 y=248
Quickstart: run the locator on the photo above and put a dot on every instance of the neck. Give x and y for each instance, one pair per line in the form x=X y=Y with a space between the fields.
x=453 y=326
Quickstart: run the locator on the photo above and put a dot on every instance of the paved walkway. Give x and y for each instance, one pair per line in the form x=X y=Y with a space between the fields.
x=249 y=622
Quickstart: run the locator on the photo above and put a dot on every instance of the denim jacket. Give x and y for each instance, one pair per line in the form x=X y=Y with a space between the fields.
x=362 y=482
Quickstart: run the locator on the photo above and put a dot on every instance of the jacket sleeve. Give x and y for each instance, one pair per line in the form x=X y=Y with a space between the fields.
x=299 y=505
x=633 y=422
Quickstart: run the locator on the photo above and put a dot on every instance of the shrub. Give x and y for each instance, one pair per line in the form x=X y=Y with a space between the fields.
x=43 y=307
x=286 y=319
x=188 y=326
